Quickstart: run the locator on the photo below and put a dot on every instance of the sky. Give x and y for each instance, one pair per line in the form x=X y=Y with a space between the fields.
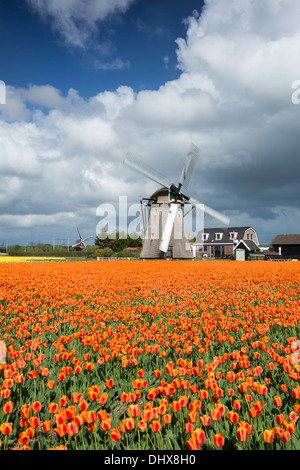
x=83 y=83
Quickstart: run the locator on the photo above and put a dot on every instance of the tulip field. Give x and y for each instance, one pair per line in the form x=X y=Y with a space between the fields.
x=150 y=355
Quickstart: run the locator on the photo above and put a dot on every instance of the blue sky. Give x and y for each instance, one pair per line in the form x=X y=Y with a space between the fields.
x=87 y=82
x=142 y=40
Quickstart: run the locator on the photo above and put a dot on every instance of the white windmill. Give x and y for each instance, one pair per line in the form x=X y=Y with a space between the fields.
x=165 y=234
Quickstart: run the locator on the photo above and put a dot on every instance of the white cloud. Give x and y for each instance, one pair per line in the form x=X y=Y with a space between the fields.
x=75 y=20
x=247 y=48
x=34 y=220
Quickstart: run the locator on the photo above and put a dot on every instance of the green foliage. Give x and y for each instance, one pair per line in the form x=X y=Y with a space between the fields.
x=118 y=241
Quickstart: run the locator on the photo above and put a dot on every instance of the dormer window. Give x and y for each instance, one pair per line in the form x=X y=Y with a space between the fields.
x=232 y=235
x=218 y=236
x=204 y=237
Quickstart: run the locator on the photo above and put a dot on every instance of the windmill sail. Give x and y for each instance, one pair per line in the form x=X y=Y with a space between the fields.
x=209 y=211
x=189 y=165
x=146 y=170
x=166 y=235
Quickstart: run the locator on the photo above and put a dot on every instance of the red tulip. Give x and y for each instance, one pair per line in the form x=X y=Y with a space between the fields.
x=36 y=406
x=268 y=436
x=23 y=438
x=218 y=440
x=193 y=443
x=242 y=434
x=232 y=416
x=155 y=425
x=115 y=434
x=6 y=428
x=8 y=407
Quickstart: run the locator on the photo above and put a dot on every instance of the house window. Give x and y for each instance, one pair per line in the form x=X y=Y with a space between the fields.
x=204 y=236
x=232 y=235
x=218 y=236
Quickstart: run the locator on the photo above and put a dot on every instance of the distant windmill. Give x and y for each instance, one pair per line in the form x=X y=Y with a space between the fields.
x=165 y=234
x=80 y=243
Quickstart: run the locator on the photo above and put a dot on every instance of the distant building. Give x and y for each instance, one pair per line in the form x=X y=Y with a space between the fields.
x=287 y=246
x=222 y=242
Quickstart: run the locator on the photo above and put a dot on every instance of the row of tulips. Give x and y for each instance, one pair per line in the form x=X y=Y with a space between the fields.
x=154 y=355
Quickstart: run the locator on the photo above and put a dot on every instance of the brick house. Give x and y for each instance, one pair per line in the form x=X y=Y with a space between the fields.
x=220 y=242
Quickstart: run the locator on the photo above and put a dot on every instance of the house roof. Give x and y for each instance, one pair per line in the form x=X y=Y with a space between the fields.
x=240 y=231
x=286 y=240
x=249 y=244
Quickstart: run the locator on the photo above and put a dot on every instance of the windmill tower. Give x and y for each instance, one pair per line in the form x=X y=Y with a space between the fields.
x=166 y=235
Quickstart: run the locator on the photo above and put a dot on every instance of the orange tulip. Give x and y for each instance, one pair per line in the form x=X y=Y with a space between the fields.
x=133 y=410
x=36 y=406
x=79 y=420
x=61 y=430
x=189 y=427
x=193 y=443
x=147 y=415
x=76 y=397
x=155 y=426
x=293 y=416
x=23 y=438
x=5 y=393
x=52 y=408
x=242 y=434
x=83 y=405
x=142 y=425
x=88 y=416
x=218 y=440
x=63 y=401
x=215 y=414
x=101 y=415
x=8 y=407
x=6 y=428
x=253 y=412
x=193 y=416
x=175 y=405
x=51 y=384
x=284 y=436
x=70 y=413
x=109 y=383
x=236 y=405
x=183 y=400
x=289 y=426
x=203 y=394
x=232 y=416
x=280 y=418
x=268 y=436
x=34 y=421
x=72 y=428
x=25 y=411
x=47 y=425
x=205 y=420
x=277 y=401
x=102 y=398
x=105 y=424
x=115 y=434
x=167 y=418
x=200 y=435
